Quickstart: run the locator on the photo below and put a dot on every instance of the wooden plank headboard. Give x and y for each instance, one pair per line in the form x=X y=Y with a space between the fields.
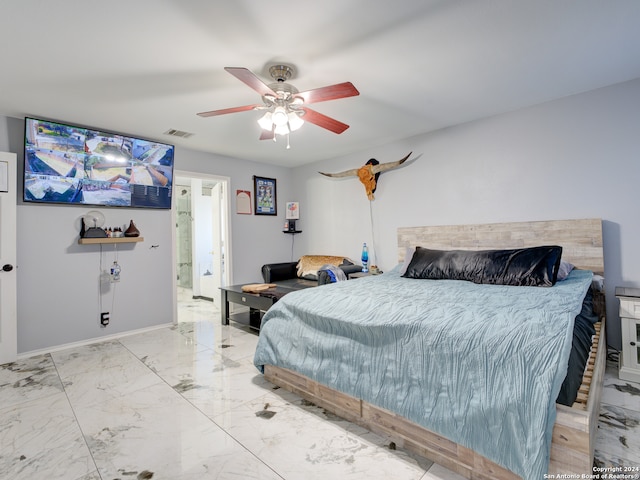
x=581 y=240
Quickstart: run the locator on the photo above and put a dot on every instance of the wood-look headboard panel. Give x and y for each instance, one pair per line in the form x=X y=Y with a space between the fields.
x=581 y=240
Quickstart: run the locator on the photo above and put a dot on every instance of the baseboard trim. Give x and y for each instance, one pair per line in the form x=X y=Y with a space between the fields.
x=90 y=341
x=200 y=297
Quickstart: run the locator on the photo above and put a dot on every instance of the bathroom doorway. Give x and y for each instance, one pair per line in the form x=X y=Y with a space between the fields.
x=201 y=244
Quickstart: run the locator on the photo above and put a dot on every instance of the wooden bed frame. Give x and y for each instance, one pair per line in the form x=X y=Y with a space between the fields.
x=575 y=427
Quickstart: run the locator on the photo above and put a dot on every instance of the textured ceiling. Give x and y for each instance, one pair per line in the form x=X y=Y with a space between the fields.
x=146 y=66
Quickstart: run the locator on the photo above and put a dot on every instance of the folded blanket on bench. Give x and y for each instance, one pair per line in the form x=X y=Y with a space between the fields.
x=336 y=274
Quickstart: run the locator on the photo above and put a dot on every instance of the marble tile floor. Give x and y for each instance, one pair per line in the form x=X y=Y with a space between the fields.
x=193 y=309
x=186 y=402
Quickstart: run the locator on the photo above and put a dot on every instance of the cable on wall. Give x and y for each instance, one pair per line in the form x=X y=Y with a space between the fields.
x=293 y=236
x=373 y=238
x=114 y=282
x=100 y=279
x=109 y=276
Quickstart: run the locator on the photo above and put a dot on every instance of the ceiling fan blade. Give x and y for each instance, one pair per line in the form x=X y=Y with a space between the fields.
x=323 y=121
x=250 y=79
x=267 y=135
x=224 y=111
x=332 y=92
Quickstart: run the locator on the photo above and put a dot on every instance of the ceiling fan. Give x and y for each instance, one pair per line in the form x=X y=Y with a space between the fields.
x=286 y=107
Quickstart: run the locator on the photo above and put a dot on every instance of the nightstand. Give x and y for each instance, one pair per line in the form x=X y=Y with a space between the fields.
x=629 y=362
x=355 y=275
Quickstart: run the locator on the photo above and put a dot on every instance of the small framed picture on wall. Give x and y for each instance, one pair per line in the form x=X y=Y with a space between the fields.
x=264 y=196
x=243 y=202
x=293 y=211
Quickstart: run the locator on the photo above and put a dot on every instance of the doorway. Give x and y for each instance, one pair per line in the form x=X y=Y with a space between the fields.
x=201 y=244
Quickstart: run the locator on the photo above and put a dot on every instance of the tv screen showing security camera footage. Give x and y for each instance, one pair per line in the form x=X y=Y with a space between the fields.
x=66 y=164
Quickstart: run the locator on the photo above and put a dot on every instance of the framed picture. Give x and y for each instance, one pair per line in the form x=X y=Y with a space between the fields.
x=293 y=211
x=264 y=196
x=243 y=202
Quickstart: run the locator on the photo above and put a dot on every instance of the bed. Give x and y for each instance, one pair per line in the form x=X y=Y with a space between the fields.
x=567 y=433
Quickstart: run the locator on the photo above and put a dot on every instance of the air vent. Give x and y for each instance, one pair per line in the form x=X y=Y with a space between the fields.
x=178 y=133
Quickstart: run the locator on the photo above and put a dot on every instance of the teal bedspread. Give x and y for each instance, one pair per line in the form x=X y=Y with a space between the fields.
x=481 y=365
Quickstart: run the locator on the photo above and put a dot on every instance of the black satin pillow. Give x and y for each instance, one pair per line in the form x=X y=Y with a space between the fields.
x=535 y=266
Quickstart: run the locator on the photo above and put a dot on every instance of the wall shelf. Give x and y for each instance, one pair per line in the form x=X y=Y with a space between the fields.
x=292 y=232
x=94 y=241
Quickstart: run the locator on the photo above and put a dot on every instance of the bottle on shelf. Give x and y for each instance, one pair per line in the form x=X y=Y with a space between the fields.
x=132 y=231
x=365 y=258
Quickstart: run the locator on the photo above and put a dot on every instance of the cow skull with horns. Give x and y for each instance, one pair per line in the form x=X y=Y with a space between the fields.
x=368 y=173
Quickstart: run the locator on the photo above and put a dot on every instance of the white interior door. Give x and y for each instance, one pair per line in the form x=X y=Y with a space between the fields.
x=8 y=290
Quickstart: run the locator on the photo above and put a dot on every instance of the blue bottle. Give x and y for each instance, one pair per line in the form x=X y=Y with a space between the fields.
x=365 y=258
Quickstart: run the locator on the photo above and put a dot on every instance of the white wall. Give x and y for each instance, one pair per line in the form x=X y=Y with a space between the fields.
x=572 y=158
x=59 y=286
x=58 y=280
x=577 y=157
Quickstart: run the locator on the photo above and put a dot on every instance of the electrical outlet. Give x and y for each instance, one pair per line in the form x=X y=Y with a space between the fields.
x=104 y=319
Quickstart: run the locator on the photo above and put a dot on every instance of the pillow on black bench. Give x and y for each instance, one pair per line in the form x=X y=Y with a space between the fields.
x=308 y=265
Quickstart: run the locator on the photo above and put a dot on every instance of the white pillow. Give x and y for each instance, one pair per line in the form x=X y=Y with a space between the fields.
x=564 y=270
x=408 y=255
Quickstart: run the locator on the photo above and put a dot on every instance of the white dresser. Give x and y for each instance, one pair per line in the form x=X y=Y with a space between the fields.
x=629 y=362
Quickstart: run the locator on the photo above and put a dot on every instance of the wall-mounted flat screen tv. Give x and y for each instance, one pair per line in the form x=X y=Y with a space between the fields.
x=66 y=164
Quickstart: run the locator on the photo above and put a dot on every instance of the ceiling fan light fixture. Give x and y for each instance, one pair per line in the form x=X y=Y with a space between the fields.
x=265 y=121
x=295 y=122
x=279 y=116
x=280 y=121
x=281 y=129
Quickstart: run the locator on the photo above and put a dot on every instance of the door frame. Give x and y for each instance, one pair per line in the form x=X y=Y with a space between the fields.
x=226 y=234
x=8 y=245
